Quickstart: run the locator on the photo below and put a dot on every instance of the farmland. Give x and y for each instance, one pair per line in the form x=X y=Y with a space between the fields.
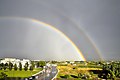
x=87 y=70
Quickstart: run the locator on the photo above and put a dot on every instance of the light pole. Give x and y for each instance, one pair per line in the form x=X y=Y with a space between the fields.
x=44 y=67
x=44 y=71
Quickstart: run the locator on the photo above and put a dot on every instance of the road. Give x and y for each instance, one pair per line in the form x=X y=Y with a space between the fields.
x=51 y=74
x=47 y=74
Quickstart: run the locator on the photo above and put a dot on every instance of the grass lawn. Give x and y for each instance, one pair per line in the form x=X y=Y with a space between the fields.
x=69 y=70
x=22 y=73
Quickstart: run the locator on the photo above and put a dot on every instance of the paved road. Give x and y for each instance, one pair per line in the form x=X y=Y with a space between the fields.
x=48 y=74
x=51 y=74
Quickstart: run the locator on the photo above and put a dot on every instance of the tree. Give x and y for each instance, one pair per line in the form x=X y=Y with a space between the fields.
x=2 y=64
x=10 y=66
x=20 y=66
x=25 y=68
x=33 y=64
x=110 y=71
x=113 y=77
x=3 y=76
x=6 y=64
x=53 y=62
x=31 y=68
x=27 y=64
x=15 y=67
x=42 y=63
x=4 y=67
x=38 y=65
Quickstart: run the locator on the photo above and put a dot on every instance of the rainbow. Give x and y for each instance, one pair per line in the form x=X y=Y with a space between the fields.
x=63 y=35
x=52 y=27
x=82 y=30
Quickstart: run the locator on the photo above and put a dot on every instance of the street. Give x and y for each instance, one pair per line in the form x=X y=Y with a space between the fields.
x=47 y=74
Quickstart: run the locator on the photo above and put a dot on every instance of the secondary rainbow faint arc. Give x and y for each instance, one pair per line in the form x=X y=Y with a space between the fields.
x=45 y=24
x=76 y=25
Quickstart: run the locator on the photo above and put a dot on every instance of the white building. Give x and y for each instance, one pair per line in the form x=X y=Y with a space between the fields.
x=16 y=61
x=25 y=61
x=72 y=62
x=7 y=60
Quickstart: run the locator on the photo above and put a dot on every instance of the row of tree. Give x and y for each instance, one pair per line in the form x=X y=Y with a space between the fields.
x=10 y=66
x=26 y=67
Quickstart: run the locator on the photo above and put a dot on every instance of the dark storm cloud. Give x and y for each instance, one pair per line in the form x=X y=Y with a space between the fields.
x=99 y=19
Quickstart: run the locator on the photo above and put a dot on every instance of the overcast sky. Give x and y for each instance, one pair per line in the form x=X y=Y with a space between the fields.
x=27 y=38
x=93 y=25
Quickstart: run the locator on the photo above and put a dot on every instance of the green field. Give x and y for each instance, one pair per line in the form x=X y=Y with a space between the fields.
x=71 y=72
x=22 y=73
x=89 y=70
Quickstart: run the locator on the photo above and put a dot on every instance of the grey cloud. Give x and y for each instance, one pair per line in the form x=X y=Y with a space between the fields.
x=99 y=19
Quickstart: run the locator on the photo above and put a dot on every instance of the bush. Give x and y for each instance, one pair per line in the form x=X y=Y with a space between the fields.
x=80 y=75
x=74 y=76
x=2 y=76
x=65 y=76
x=85 y=76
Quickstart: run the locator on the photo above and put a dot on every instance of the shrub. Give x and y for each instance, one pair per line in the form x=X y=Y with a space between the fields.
x=74 y=76
x=65 y=76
